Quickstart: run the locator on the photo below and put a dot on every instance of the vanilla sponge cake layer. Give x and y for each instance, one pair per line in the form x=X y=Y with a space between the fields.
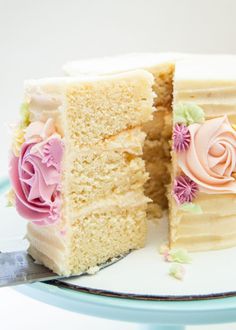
x=103 y=211
x=118 y=166
x=107 y=232
x=102 y=109
x=111 y=228
x=209 y=82
x=92 y=104
x=156 y=153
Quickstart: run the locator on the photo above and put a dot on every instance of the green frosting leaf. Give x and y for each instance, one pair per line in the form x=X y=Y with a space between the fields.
x=191 y=208
x=177 y=271
x=179 y=255
x=25 y=114
x=188 y=113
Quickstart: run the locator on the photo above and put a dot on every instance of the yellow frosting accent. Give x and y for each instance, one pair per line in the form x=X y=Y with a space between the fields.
x=18 y=140
x=10 y=197
x=19 y=131
x=25 y=114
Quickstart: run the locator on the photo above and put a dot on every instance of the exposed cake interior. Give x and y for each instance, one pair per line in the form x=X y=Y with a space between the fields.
x=102 y=201
x=156 y=153
x=157 y=143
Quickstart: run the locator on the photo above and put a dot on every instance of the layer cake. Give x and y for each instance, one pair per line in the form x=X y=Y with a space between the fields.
x=122 y=136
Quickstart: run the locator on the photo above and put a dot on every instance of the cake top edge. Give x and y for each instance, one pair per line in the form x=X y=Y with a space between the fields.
x=119 y=63
x=60 y=82
x=207 y=68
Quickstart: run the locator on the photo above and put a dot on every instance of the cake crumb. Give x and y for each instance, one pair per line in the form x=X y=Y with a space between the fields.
x=154 y=212
x=93 y=270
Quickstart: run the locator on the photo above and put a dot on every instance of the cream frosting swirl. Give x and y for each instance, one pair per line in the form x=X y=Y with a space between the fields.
x=38 y=131
x=211 y=157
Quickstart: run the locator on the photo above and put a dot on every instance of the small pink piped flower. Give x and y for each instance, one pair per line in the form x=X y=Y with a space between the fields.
x=185 y=189
x=52 y=153
x=164 y=250
x=54 y=213
x=166 y=256
x=181 y=138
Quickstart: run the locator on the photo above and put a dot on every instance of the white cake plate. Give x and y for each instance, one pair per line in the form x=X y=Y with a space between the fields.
x=144 y=273
x=138 y=288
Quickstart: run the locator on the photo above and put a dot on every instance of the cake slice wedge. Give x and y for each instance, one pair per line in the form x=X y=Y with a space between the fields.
x=77 y=171
x=156 y=153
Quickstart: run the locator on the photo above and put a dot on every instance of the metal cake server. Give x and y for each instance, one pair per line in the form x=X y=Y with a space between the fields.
x=20 y=268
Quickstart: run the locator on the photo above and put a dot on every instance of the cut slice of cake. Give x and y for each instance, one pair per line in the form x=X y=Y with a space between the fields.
x=202 y=197
x=77 y=171
x=159 y=130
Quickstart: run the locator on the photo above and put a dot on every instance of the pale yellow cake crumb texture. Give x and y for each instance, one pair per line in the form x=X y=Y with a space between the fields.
x=157 y=144
x=103 y=234
x=156 y=148
x=110 y=167
x=100 y=109
x=103 y=211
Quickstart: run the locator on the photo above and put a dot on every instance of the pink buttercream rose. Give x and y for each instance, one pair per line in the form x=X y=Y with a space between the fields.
x=211 y=157
x=35 y=177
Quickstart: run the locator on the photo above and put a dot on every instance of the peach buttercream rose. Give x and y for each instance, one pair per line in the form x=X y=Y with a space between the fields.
x=210 y=159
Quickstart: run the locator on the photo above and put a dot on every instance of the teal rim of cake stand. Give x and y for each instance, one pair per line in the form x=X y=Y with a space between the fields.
x=165 y=313
x=156 y=314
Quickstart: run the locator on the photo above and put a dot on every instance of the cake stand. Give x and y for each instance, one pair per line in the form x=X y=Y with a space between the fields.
x=151 y=312
x=159 y=315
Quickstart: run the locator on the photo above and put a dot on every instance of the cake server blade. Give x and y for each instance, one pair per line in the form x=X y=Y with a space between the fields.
x=20 y=268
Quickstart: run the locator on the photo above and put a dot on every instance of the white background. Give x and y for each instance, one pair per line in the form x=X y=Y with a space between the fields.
x=37 y=37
